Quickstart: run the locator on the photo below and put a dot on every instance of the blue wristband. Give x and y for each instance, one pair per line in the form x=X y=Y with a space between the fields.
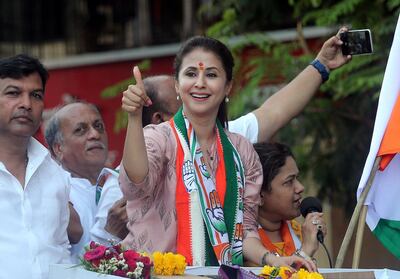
x=321 y=69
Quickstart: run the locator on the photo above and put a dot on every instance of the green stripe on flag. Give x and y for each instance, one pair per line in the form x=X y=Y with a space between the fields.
x=388 y=233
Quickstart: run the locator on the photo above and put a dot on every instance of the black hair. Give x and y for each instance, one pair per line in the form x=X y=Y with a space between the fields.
x=221 y=51
x=22 y=65
x=273 y=157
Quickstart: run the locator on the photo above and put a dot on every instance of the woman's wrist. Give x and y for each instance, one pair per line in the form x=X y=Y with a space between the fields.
x=322 y=69
x=267 y=258
x=300 y=253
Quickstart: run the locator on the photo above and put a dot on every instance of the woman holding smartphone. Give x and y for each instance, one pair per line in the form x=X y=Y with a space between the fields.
x=192 y=187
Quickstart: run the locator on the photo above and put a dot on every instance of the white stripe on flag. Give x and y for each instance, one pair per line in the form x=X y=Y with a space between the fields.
x=387 y=99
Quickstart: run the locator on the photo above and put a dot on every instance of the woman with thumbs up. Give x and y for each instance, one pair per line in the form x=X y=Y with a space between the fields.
x=191 y=186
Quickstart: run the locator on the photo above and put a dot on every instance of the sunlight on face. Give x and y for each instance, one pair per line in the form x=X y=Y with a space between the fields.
x=202 y=83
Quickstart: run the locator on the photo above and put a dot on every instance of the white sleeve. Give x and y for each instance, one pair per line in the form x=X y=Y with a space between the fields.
x=109 y=195
x=64 y=215
x=246 y=125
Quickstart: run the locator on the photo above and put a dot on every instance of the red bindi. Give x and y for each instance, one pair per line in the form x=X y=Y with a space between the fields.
x=201 y=66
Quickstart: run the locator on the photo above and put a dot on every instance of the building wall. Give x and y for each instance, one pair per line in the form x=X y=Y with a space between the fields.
x=87 y=83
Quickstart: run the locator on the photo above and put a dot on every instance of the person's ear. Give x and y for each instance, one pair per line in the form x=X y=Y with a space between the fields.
x=177 y=87
x=156 y=118
x=228 y=88
x=261 y=199
x=58 y=150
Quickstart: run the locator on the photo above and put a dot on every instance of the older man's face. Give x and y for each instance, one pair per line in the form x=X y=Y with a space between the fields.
x=84 y=145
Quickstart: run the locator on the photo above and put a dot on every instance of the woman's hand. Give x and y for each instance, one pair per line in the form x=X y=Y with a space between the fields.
x=134 y=158
x=293 y=261
x=134 y=98
x=331 y=52
x=309 y=229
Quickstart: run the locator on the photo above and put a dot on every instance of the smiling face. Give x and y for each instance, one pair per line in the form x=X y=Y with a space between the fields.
x=202 y=83
x=84 y=145
x=21 y=105
x=283 y=201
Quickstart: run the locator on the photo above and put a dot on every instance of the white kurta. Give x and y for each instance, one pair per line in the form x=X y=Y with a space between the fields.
x=83 y=197
x=34 y=218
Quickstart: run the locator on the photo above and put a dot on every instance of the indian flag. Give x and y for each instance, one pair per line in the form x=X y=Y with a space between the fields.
x=383 y=200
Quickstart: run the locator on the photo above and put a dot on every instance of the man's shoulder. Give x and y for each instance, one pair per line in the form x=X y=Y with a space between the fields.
x=246 y=125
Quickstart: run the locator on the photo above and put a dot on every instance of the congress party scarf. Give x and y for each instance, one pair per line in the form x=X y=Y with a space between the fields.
x=290 y=239
x=209 y=210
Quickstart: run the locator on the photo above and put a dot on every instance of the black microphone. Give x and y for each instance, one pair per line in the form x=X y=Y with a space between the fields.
x=309 y=205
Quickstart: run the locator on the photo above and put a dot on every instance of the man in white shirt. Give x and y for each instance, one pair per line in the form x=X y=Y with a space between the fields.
x=33 y=188
x=78 y=140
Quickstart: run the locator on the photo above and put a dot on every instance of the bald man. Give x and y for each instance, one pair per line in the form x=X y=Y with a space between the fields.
x=77 y=139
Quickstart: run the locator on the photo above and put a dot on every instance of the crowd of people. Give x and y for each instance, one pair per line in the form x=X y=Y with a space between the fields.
x=187 y=173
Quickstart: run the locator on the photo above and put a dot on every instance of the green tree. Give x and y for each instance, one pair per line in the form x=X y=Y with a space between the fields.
x=331 y=138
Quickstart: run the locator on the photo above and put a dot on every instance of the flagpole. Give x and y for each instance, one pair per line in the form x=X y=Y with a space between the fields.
x=356 y=214
x=359 y=237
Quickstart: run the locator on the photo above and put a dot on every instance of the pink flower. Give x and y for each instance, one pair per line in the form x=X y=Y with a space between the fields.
x=131 y=255
x=145 y=260
x=131 y=264
x=96 y=253
x=93 y=245
x=118 y=248
x=147 y=271
x=95 y=263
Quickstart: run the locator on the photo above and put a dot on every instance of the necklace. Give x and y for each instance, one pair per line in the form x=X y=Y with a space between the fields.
x=209 y=155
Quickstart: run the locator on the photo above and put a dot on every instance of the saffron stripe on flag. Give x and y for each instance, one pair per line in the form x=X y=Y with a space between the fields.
x=383 y=216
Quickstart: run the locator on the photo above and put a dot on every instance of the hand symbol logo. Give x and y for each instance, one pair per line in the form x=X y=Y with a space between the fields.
x=216 y=213
x=188 y=175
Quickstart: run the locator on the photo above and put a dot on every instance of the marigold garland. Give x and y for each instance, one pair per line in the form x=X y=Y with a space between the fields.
x=168 y=264
x=283 y=272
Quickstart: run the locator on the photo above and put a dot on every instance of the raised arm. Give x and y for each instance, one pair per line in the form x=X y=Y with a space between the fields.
x=288 y=102
x=134 y=158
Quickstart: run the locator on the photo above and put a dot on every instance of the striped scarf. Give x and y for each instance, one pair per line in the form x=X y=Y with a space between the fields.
x=209 y=210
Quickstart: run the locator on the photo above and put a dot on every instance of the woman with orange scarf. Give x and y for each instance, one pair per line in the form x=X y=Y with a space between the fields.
x=191 y=186
x=280 y=203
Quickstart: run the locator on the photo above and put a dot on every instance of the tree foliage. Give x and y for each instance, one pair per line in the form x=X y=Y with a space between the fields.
x=331 y=137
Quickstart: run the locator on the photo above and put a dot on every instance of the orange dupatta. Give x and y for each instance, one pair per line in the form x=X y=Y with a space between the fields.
x=288 y=246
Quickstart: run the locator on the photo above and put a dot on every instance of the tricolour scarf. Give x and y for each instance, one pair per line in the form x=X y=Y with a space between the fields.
x=209 y=210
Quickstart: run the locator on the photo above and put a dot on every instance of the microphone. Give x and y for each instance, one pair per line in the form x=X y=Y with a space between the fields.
x=309 y=205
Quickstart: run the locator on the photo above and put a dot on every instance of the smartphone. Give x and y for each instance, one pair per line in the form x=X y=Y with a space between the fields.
x=356 y=42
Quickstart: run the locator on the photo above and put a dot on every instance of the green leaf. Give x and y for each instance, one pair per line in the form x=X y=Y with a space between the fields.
x=116 y=89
